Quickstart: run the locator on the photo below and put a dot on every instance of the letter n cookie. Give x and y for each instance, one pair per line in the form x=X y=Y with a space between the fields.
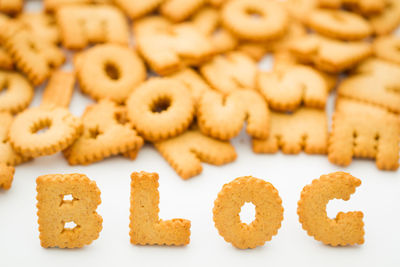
x=305 y=129
x=145 y=225
x=66 y=198
x=81 y=25
x=186 y=152
x=347 y=228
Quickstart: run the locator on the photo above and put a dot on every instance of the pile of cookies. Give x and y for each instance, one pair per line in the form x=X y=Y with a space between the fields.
x=184 y=76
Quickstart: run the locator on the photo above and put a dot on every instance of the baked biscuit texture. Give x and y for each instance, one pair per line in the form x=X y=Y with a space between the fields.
x=53 y=5
x=222 y=117
x=365 y=7
x=230 y=72
x=146 y=228
x=286 y=90
x=11 y=7
x=59 y=89
x=305 y=129
x=81 y=25
x=18 y=92
x=160 y=108
x=186 y=152
x=388 y=20
x=110 y=71
x=6 y=176
x=42 y=25
x=60 y=130
x=268 y=217
x=6 y=61
x=328 y=54
x=138 y=8
x=169 y=47
x=54 y=210
x=387 y=48
x=347 y=228
x=103 y=135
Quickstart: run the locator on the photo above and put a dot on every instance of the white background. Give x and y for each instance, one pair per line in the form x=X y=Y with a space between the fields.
x=378 y=197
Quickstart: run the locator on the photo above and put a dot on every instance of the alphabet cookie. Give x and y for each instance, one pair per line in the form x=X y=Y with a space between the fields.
x=138 y=8
x=388 y=20
x=305 y=129
x=339 y=24
x=160 y=108
x=286 y=90
x=268 y=218
x=186 y=152
x=223 y=117
x=255 y=20
x=387 y=48
x=60 y=128
x=18 y=92
x=6 y=176
x=81 y=25
x=328 y=54
x=168 y=47
x=146 y=228
x=229 y=72
x=179 y=10
x=59 y=89
x=347 y=228
x=365 y=135
x=42 y=25
x=103 y=135
x=6 y=61
x=110 y=71
x=54 y=211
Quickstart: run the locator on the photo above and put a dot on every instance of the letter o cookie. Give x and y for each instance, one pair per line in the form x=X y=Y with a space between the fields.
x=160 y=108
x=61 y=130
x=110 y=71
x=346 y=228
x=255 y=20
x=269 y=212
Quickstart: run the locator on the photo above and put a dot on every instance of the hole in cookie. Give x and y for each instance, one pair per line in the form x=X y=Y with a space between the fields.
x=112 y=71
x=160 y=105
x=253 y=13
x=94 y=132
x=41 y=127
x=70 y=226
x=67 y=199
x=247 y=213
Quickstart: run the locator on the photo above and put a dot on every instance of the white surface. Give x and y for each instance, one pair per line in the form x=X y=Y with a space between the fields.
x=378 y=197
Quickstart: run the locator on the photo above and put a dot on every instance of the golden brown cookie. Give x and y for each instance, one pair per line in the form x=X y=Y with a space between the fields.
x=103 y=135
x=146 y=227
x=160 y=108
x=339 y=24
x=55 y=211
x=42 y=25
x=186 y=152
x=365 y=7
x=388 y=20
x=44 y=130
x=328 y=54
x=17 y=94
x=59 y=89
x=179 y=10
x=347 y=228
x=110 y=71
x=365 y=135
x=255 y=20
x=229 y=72
x=6 y=61
x=268 y=206
x=168 y=47
x=81 y=25
x=376 y=82
x=53 y=5
x=388 y=48
x=286 y=90
x=6 y=176
x=300 y=9
x=11 y=7
x=222 y=117
x=305 y=129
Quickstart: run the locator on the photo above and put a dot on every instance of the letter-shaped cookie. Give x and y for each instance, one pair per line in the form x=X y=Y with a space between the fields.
x=365 y=135
x=18 y=92
x=223 y=117
x=268 y=218
x=146 y=228
x=160 y=108
x=186 y=152
x=81 y=25
x=305 y=129
x=103 y=135
x=59 y=89
x=329 y=54
x=55 y=210
x=138 y=8
x=42 y=25
x=6 y=175
x=388 y=20
x=347 y=228
x=229 y=72
x=168 y=47
x=286 y=90
x=387 y=48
